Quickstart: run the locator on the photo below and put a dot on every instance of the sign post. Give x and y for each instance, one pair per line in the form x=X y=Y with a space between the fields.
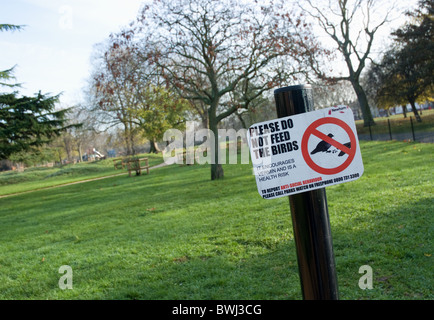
x=298 y=155
x=310 y=216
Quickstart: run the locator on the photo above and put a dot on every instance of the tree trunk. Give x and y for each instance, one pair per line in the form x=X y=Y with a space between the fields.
x=68 y=154
x=60 y=157
x=364 y=105
x=216 y=167
x=131 y=137
x=404 y=110
x=414 y=109
x=243 y=123
x=204 y=120
x=203 y=113
x=79 y=153
x=127 y=138
x=154 y=146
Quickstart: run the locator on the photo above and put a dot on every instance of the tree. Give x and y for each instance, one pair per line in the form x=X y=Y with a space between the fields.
x=115 y=84
x=9 y=27
x=394 y=81
x=81 y=135
x=6 y=75
x=381 y=87
x=405 y=73
x=159 y=111
x=35 y=156
x=28 y=122
x=130 y=92
x=350 y=24
x=327 y=95
x=207 y=49
x=413 y=58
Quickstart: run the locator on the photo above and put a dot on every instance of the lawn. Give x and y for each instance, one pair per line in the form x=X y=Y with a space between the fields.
x=43 y=177
x=177 y=235
x=399 y=124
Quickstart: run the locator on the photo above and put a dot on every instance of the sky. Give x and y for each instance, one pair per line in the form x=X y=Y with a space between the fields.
x=52 y=54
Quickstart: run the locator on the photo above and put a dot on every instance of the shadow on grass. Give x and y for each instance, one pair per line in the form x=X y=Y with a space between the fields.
x=396 y=243
x=217 y=277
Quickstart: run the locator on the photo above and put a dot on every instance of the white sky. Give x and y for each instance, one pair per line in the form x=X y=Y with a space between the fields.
x=52 y=54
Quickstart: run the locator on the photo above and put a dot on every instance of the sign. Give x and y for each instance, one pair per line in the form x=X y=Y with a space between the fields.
x=305 y=152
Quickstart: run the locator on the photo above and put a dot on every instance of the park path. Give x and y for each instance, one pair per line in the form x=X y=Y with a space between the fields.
x=77 y=182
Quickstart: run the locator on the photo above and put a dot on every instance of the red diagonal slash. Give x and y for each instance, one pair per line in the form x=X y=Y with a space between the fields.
x=331 y=141
x=312 y=130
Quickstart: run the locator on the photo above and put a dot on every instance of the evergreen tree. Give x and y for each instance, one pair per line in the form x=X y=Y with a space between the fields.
x=414 y=56
x=405 y=73
x=6 y=75
x=28 y=122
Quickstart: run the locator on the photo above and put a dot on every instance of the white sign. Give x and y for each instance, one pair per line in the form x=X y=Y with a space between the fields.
x=305 y=152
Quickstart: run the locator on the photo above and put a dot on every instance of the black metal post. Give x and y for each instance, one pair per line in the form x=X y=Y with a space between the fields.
x=310 y=216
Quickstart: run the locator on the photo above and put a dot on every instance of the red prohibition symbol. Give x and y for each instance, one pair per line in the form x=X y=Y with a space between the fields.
x=312 y=130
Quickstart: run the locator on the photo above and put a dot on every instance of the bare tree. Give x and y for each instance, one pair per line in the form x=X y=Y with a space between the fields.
x=82 y=137
x=352 y=27
x=327 y=95
x=116 y=84
x=207 y=49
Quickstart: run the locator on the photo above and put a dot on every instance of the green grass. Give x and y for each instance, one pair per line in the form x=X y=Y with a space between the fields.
x=399 y=124
x=177 y=235
x=43 y=177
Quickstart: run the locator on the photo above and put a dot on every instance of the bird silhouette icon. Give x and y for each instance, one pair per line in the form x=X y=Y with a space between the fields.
x=322 y=146
x=348 y=145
